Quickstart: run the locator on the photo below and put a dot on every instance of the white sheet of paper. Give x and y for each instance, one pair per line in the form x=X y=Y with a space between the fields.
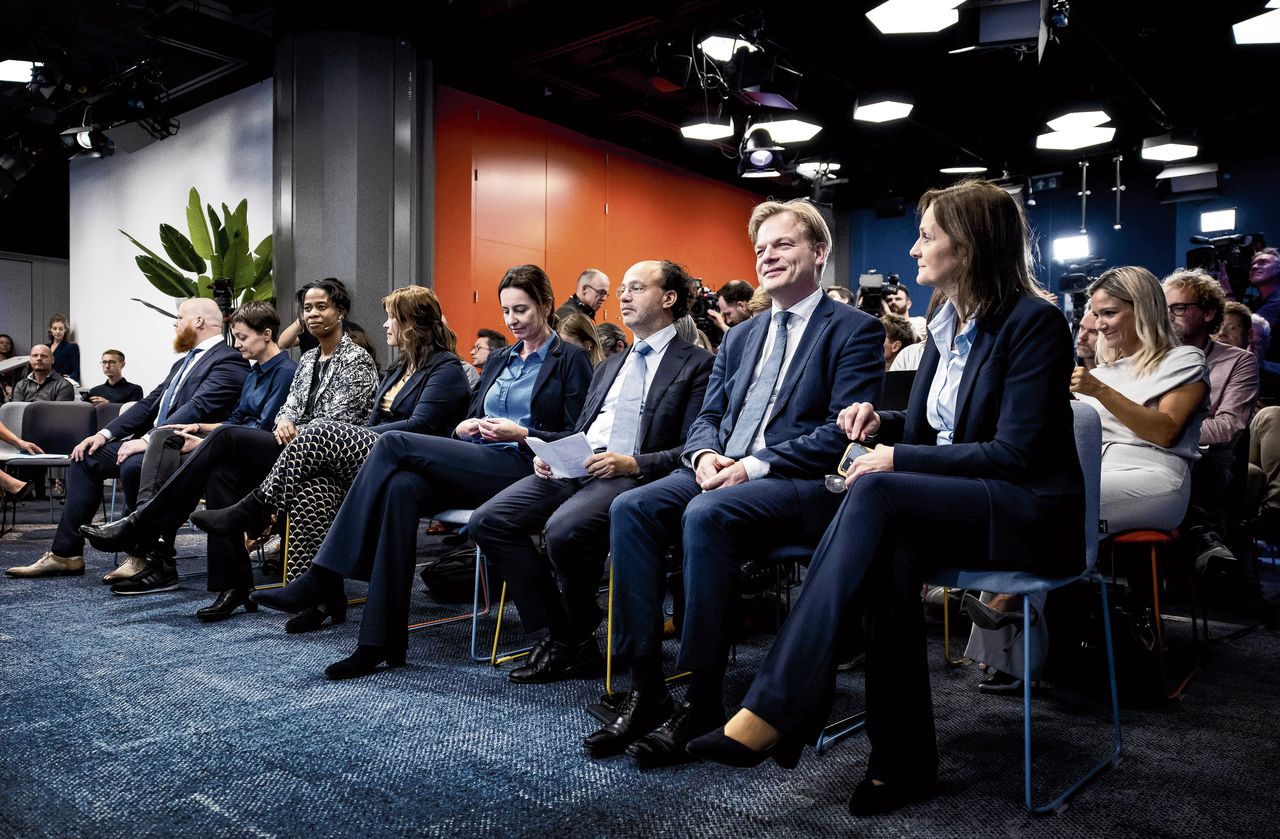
x=565 y=457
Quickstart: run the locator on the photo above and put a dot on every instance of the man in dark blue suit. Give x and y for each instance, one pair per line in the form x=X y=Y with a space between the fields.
x=202 y=386
x=753 y=475
x=638 y=410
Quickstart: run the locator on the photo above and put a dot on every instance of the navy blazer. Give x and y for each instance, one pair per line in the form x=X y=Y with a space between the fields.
x=433 y=401
x=1013 y=432
x=839 y=361
x=208 y=394
x=673 y=401
x=558 y=392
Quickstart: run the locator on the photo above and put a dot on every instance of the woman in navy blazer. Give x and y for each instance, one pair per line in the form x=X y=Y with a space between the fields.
x=984 y=468
x=426 y=393
x=536 y=386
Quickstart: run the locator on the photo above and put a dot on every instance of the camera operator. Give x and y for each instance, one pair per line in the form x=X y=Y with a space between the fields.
x=732 y=300
x=1264 y=275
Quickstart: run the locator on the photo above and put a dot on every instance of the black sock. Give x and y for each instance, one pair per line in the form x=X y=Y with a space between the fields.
x=646 y=676
x=706 y=690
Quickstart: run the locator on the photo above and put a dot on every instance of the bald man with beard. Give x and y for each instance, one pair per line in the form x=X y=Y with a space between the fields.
x=202 y=386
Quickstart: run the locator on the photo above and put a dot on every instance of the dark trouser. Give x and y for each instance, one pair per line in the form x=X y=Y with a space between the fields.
x=84 y=493
x=721 y=529
x=890 y=529
x=574 y=513
x=223 y=469
x=374 y=536
x=1210 y=484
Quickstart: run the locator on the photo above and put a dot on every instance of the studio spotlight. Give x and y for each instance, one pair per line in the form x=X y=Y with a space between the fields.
x=761 y=157
x=87 y=141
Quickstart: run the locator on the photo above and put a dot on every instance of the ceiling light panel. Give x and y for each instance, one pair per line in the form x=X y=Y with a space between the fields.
x=1077 y=138
x=786 y=131
x=708 y=130
x=12 y=70
x=903 y=17
x=1079 y=119
x=720 y=48
x=1263 y=29
x=1167 y=147
x=885 y=111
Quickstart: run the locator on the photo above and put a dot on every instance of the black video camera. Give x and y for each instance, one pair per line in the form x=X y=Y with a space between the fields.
x=873 y=288
x=1230 y=255
x=701 y=301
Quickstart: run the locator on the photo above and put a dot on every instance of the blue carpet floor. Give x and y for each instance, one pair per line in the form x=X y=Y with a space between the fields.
x=124 y=716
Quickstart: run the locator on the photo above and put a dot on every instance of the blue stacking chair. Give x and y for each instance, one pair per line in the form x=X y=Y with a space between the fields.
x=1088 y=433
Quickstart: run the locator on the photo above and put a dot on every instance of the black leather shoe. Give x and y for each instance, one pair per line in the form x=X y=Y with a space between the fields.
x=666 y=744
x=119 y=535
x=362 y=662
x=313 y=618
x=719 y=748
x=251 y=514
x=870 y=799
x=311 y=589
x=637 y=717
x=226 y=604
x=1000 y=684
x=561 y=661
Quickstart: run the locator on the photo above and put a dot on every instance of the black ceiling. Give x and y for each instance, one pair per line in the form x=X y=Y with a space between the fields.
x=595 y=67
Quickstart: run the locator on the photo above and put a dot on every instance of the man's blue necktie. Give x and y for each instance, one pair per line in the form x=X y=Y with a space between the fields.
x=626 y=415
x=753 y=408
x=166 y=401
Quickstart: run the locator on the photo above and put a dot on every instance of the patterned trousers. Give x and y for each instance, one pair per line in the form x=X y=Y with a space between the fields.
x=309 y=481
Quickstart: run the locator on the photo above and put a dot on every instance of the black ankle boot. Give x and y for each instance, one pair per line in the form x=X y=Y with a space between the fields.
x=251 y=514
x=314 y=617
x=362 y=662
x=319 y=586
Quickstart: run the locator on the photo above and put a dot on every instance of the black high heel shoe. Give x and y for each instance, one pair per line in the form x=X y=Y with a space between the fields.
x=362 y=662
x=251 y=514
x=984 y=617
x=313 y=618
x=718 y=747
x=315 y=588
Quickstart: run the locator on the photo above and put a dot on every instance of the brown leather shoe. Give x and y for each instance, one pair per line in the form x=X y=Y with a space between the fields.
x=50 y=565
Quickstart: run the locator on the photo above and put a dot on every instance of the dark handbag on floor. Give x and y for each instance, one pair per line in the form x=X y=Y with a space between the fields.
x=451 y=577
x=1077 y=655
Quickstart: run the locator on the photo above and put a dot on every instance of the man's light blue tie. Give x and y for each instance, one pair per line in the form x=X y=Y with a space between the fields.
x=753 y=408
x=166 y=402
x=626 y=415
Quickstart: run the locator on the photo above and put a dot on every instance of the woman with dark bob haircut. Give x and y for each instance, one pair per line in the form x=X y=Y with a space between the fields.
x=425 y=393
x=978 y=468
x=537 y=385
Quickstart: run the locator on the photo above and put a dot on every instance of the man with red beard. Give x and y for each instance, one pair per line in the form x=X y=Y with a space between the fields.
x=202 y=386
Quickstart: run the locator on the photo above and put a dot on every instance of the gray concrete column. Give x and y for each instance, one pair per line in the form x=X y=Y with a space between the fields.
x=354 y=167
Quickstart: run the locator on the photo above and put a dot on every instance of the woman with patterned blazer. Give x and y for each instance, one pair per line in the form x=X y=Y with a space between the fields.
x=426 y=393
x=334 y=381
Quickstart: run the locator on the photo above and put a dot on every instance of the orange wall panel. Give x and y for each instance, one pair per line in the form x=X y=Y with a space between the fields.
x=454 y=222
x=541 y=197
x=511 y=184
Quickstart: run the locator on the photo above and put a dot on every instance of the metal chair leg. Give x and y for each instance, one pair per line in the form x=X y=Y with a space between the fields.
x=1113 y=757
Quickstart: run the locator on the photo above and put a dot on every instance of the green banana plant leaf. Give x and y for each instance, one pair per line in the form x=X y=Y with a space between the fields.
x=154 y=306
x=263 y=263
x=180 y=249
x=219 y=244
x=204 y=287
x=197 y=227
x=165 y=278
x=143 y=248
x=264 y=290
x=237 y=264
